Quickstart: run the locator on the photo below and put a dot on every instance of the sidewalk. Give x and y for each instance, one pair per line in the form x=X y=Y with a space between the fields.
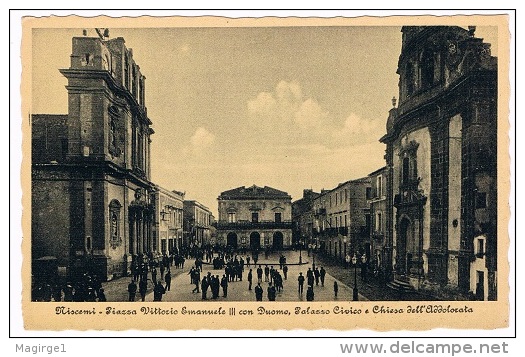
x=373 y=290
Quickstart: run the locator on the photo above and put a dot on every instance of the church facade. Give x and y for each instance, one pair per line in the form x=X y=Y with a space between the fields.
x=93 y=205
x=441 y=158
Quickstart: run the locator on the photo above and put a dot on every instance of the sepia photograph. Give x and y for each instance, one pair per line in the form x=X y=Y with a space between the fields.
x=271 y=168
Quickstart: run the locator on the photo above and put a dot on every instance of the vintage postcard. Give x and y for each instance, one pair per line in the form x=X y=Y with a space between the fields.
x=269 y=173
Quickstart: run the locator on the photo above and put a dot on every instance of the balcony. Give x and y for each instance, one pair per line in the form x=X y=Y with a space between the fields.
x=320 y=212
x=254 y=225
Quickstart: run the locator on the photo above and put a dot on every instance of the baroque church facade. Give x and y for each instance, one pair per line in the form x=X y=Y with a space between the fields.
x=441 y=155
x=92 y=198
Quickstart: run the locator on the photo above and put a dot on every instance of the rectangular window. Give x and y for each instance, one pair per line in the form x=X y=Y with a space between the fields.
x=336 y=198
x=369 y=193
x=379 y=186
x=231 y=217
x=346 y=220
x=379 y=222
x=480 y=247
x=255 y=217
x=278 y=217
x=346 y=195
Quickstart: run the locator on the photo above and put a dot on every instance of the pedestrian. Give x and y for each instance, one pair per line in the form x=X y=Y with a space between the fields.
x=250 y=277
x=154 y=276
x=248 y=260
x=132 y=290
x=204 y=288
x=143 y=288
x=259 y=274
x=101 y=295
x=300 y=281
x=191 y=273
x=272 y=273
x=336 y=288
x=310 y=293
x=266 y=272
x=224 y=284
x=285 y=271
x=310 y=280
x=158 y=291
x=258 y=292
x=316 y=274
x=322 y=274
x=271 y=292
x=167 y=279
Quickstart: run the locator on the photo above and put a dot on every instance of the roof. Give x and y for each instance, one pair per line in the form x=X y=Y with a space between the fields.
x=253 y=192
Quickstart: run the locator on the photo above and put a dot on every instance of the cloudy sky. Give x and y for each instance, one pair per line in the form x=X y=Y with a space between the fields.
x=286 y=107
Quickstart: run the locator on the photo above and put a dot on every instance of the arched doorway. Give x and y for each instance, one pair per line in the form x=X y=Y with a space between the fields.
x=402 y=259
x=278 y=241
x=255 y=241
x=231 y=240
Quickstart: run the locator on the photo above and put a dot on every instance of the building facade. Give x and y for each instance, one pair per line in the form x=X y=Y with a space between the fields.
x=303 y=218
x=197 y=224
x=169 y=211
x=376 y=196
x=442 y=163
x=92 y=199
x=255 y=218
x=342 y=220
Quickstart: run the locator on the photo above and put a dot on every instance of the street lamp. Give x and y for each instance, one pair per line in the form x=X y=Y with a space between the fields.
x=314 y=247
x=363 y=268
x=355 y=292
x=300 y=251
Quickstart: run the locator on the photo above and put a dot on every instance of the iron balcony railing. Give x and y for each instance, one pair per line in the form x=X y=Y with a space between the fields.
x=250 y=224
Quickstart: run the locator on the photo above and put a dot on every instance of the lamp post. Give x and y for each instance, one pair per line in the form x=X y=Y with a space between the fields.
x=314 y=247
x=355 y=292
x=300 y=251
x=363 y=268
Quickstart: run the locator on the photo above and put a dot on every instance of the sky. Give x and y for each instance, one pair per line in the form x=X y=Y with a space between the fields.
x=286 y=107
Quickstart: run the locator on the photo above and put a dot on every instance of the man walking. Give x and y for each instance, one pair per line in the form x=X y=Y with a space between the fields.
x=132 y=290
x=158 y=291
x=167 y=279
x=317 y=275
x=322 y=274
x=300 y=280
x=259 y=274
x=143 y=288
x=258 y=292
x=250 y=277
x=285 y=271
x=271 y=292
x=224 y=284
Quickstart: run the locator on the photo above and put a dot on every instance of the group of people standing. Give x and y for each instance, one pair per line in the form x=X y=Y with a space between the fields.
x=313 y=276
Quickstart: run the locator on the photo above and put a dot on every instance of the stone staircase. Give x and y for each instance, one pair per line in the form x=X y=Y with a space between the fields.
x=400 y=285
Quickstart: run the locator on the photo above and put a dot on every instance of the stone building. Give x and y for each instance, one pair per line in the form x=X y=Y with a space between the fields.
x=92 y=205
x=342 y=220
x=376 y=196
x=197 y=224
x=169 y=212
x=303 y=218
x=255 y=218
x=441 y=158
